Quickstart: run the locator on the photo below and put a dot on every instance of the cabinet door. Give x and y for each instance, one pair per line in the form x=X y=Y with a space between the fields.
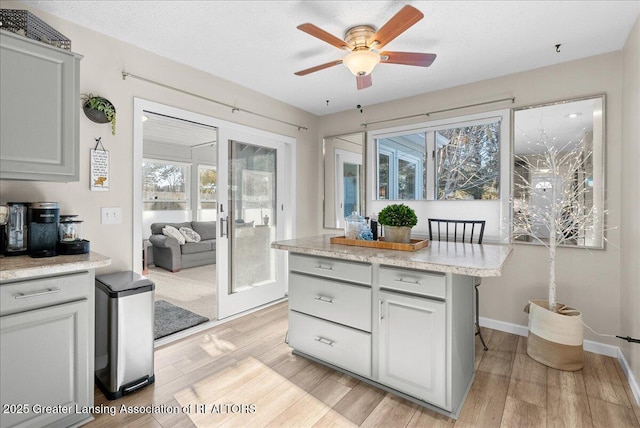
x=45 y=362
x=39 y=110
x=412 y=346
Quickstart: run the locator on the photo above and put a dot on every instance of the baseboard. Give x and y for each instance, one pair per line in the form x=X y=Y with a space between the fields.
x=633 y=384
x=589 y=346
x=523 y=330
x=507 y=327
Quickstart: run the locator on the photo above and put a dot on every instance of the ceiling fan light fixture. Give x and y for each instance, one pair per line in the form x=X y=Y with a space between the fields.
x=361 y=62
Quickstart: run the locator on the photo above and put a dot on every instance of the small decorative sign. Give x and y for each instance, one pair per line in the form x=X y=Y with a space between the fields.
x=99 y=168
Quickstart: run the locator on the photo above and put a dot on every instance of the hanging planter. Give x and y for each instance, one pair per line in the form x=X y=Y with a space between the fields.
x=99 y=110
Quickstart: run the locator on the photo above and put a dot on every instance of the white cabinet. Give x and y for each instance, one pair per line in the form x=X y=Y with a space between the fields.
x=337 y=301
x=46 y=350
x=409 y=331
x=412 y=346
x=330 y=311
x=334 y=343
x=39 y=110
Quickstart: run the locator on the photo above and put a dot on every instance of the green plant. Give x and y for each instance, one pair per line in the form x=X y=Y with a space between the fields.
x=102 y=105
x=397 y=215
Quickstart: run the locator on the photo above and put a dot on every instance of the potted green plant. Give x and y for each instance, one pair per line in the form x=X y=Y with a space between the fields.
x=100 y=110
x=397 y=219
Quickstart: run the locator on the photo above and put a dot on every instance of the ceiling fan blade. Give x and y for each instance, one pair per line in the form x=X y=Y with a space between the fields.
x=398 y=24
x=318 y=68
x=363 y=81
x=407 y=58
x=324 y=36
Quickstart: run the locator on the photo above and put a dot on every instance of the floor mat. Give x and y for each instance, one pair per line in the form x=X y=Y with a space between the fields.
x=170 y=319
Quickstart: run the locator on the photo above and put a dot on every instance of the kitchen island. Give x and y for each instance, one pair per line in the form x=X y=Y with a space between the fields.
x=47 y=339
x=400 y=320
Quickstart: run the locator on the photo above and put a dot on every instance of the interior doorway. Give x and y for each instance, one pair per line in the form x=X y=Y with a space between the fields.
x=185 y=182
x=179 y=190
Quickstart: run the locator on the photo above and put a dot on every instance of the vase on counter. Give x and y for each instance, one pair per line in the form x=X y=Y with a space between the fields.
x=401 y=234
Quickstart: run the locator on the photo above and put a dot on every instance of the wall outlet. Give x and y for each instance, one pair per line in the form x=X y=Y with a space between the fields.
x=111 y=215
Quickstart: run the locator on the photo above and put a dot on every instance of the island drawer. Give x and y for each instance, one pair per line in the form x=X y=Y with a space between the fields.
x=31 y=294
x=356 y=272
x=432 y=284
x=334 y=301
x=336 y=344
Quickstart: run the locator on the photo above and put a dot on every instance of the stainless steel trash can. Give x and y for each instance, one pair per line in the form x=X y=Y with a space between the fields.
x=124 y=333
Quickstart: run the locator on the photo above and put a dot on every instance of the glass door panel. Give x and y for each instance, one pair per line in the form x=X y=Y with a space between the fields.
x=252 y=215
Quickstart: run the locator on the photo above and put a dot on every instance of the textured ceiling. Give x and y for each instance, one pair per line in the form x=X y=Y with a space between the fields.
x=256 y=43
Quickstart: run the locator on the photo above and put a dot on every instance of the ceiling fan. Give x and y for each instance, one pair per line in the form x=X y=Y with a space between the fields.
x=364 y=42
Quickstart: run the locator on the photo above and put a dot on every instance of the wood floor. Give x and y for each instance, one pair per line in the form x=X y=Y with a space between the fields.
x=242 y=374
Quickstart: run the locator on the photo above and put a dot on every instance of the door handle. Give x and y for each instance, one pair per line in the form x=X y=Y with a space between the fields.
x=224 y=227
x=380 y=313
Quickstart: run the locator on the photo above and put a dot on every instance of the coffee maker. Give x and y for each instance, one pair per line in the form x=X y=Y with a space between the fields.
x=43 y=228
x=15 y=240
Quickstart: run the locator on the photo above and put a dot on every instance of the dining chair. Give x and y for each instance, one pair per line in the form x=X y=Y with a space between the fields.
x=469 y=231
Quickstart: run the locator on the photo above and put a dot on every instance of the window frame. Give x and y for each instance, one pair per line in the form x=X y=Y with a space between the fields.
x=496 y=212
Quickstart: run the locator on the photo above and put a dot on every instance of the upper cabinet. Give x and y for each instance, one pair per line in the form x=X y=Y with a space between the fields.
x=39 y=110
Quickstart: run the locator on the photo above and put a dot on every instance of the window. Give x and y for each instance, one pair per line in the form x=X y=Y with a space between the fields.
x=401 y=167
x=454 y=161
x=165 y=185
x=207 y=187
x=468 y=162
x=456 y=167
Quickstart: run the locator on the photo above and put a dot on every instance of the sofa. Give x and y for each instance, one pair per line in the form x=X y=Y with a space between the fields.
x=170 y=255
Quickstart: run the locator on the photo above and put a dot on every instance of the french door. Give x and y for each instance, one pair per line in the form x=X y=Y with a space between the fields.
x=252 y=212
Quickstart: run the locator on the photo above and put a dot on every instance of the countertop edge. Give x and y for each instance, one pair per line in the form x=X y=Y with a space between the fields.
x=24 y=267
x=493 y=271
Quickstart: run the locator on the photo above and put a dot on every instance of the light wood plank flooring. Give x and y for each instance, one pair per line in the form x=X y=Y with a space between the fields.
x=242 y=374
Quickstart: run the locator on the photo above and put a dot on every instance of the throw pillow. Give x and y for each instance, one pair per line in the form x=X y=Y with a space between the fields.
x=190 y=235
x=174 y=233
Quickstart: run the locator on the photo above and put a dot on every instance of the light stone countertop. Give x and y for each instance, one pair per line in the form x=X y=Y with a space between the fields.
x=22 y=267
x=455 y=257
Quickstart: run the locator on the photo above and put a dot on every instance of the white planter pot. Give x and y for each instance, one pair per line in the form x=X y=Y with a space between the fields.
x=401 y=234
x=555 y=339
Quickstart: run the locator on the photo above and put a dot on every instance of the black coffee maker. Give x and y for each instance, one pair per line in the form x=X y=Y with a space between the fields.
x=42 y=218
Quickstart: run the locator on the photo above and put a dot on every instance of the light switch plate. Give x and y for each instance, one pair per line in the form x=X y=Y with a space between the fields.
x=111 y=215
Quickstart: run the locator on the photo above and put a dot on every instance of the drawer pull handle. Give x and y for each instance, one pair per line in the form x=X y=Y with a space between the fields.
x=405 y=281
x=323 y=299
x=324 y=267
x=36 y=293
x=325 y=341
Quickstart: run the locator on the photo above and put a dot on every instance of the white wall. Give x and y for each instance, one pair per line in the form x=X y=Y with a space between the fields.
x=588 y=279
x=630 y=222
x=100 y=73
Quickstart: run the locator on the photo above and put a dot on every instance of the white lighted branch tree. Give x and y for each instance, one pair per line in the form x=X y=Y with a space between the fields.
x=553 y=184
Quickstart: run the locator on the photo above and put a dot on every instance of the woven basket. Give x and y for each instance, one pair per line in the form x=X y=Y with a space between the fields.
x=27 y=24
x=555 y=338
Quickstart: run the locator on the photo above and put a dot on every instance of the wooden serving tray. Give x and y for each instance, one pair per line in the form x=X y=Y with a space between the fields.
x=415 y=244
